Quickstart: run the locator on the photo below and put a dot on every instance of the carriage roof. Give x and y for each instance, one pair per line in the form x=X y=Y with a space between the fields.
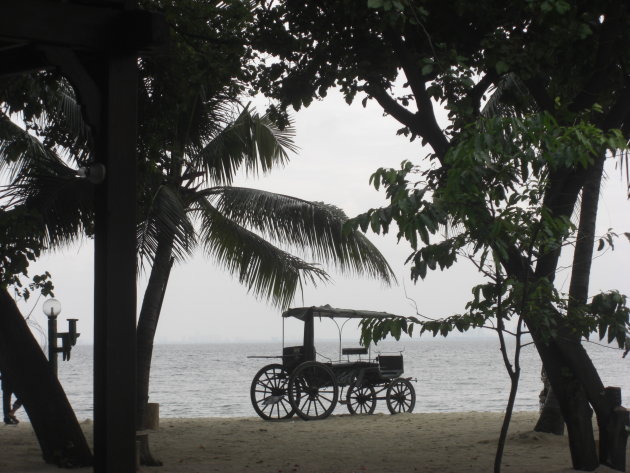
x=331 y=312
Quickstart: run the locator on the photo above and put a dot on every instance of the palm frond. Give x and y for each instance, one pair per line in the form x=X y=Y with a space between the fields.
x=510 y=98
x=314 y=227
x=21 y=153
x=251 y=142
x=165 y=219
x=63 y=109
x=63 y=202
x=267 y=271
x=46 y=105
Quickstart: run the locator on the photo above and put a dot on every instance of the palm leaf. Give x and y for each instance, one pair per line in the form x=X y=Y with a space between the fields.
x=21 y=153
x=63 y=109
x=63 y=202
x=48 y=108
x=509 y=98
x=313 y=227
x=165 y=219
x=251 y=142
x=266 y=270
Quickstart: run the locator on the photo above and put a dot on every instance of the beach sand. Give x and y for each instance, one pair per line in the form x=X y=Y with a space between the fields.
x=405 y=443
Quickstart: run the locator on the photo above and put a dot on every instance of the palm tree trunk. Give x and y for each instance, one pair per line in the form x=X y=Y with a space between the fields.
x=22 y=360
x=549 y=420
x=147 y=325
x=578 y=297
x=583 y=255
x=571 y=373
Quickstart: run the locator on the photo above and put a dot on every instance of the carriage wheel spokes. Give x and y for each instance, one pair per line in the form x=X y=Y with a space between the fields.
x=313 y=390
x=361 y=399
x=269 y=393
x=401 y=396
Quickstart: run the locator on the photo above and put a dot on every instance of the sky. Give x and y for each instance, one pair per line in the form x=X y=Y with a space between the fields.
x=340 y=147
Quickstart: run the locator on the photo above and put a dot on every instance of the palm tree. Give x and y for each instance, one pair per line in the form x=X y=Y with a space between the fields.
x=192 y=204
x=186 y=201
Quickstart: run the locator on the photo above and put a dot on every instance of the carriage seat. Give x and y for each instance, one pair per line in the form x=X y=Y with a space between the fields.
x=354 y=351
x=391 y=366
x=293 y=356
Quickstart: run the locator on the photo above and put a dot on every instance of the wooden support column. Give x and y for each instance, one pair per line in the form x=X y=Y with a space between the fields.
x=309 y=337
x=613 y=434
x=115 y=271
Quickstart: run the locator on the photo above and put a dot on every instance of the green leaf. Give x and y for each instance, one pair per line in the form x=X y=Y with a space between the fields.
x=398 y=5
x=501 y=67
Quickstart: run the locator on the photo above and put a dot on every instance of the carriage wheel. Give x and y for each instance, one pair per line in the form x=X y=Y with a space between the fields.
x=313 y=390
x=361 y=399
x=401 y=396
x=269 y=393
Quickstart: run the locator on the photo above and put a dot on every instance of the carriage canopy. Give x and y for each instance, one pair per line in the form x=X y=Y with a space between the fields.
x=302 y=313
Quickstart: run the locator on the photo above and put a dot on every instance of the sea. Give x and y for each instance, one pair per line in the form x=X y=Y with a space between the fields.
x=449 y=375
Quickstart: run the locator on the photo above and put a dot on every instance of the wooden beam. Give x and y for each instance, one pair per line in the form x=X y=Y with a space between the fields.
x=21 y=59
x=80 y=27
x=85 y=85
x=115 y=272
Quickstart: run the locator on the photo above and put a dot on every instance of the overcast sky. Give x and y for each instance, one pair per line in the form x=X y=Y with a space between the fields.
x=340 y=147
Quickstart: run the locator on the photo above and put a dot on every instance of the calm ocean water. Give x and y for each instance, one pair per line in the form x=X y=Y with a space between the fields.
x=213 y=380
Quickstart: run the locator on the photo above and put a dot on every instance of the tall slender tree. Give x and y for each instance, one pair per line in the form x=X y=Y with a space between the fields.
x=236 y=226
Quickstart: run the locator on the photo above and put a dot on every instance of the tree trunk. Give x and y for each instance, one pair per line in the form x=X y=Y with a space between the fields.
x=610 y=431
x=147 y=325
x=550 y=420
x=514 y=379
x=585 y=242
x=573 y=403
x=22 y=360
x=571 y=373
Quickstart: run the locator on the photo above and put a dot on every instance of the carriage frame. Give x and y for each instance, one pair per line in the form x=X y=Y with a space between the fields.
x=312 y=389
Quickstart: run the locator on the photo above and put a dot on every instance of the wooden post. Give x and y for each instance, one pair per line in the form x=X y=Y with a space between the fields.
x=613 y=434
x=152 y=416
x=309 y=337
x=115 y=272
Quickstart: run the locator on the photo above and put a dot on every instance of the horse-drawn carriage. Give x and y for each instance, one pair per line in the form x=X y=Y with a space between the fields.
x=311 y=389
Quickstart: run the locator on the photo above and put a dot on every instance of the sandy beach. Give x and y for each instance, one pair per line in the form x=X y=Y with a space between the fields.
x=405 y=443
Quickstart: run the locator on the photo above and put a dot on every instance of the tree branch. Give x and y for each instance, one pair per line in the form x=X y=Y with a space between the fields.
x=603 y=64
x=391 y=107
x=427 y=124
x=618 y=113
x=539 y=93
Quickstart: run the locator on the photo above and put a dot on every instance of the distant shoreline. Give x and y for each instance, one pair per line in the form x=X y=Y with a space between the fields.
x=456 y=442
x=425 y=339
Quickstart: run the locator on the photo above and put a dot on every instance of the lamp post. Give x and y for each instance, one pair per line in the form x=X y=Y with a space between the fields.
x=52 y=308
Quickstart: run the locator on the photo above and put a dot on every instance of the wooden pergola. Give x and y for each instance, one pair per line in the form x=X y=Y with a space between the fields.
x=96 y=45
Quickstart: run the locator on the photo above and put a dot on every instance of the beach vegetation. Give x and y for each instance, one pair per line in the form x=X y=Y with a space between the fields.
x=498 y=187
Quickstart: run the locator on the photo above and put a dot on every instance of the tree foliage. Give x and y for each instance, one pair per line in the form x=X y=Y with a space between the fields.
x=537 y=95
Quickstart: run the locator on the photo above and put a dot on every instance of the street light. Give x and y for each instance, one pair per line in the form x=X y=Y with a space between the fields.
x=52 y=308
